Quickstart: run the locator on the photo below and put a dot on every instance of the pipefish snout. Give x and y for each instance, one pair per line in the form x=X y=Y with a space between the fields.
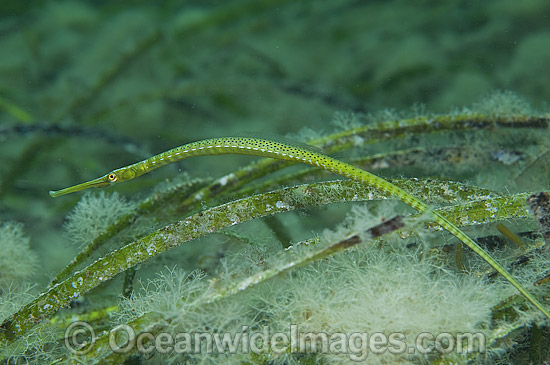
x=288 y=151
x=115 y=176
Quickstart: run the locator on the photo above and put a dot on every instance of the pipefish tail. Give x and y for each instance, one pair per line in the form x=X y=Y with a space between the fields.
x=290 y=152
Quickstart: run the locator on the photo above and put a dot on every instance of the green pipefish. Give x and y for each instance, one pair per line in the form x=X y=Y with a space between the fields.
x=291 y=152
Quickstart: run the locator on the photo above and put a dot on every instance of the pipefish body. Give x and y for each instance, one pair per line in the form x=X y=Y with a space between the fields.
x=287 y=151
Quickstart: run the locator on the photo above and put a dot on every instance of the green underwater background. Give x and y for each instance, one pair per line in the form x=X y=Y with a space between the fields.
x=447 y=100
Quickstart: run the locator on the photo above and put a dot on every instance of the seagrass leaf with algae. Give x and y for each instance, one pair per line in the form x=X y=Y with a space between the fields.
x=219 y=290
x=217 y=218
x=170 y=199
x=288 y=260
x=195 y=226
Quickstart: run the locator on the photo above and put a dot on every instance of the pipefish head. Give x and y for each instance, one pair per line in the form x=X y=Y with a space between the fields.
x=113 y=177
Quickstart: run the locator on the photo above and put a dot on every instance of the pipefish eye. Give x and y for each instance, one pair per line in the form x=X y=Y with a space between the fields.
x=112 y=177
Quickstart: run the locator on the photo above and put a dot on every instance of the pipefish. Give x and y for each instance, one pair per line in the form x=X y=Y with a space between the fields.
x=290 y=152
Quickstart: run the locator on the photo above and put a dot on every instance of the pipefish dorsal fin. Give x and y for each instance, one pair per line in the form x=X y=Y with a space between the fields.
x=281 y=139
